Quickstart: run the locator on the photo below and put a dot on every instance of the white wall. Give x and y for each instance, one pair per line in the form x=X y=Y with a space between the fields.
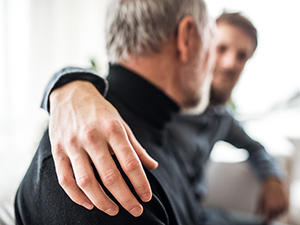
x=37 y=38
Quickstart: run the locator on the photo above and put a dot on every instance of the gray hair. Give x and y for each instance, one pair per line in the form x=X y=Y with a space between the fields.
x=140 y=27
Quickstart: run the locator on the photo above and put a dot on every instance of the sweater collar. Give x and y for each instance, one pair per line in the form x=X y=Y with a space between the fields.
x=139 y=95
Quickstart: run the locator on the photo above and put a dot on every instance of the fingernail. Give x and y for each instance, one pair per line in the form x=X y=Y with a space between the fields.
x=146 y=197
x=112 y=211
x=88 y=206
x=136 y=211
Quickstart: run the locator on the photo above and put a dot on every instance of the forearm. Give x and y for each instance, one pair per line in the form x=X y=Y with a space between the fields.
x=68 y=75
x=264 y=165
x=273 y=199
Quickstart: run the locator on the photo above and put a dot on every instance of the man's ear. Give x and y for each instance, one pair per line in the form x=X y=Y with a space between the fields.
x=186 y=37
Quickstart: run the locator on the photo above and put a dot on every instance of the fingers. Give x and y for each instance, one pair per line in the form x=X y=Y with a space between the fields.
x=274 y=210
x=87 y=182
x=80 y=184
x=67 y=182
x=146 y=160
x=114 y=182
x=84 y=189
x=273 y=202
x=266 y=214
x=129 y=161
x=109 y=173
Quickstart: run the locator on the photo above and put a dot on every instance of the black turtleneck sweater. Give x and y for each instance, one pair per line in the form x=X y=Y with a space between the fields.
x=41 y=200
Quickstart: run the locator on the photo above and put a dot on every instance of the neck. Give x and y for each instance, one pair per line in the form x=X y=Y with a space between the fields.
x=151 y=68
x=158 y=68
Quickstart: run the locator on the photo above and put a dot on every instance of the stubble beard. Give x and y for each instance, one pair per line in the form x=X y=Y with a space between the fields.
x=218 y=96
x=199 y=103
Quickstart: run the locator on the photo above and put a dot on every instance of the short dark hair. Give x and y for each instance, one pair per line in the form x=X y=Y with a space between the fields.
x=240 y=21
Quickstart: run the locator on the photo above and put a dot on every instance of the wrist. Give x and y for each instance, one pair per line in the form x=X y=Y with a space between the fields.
x=272 y=180
x=71 y=74
x=67 y=92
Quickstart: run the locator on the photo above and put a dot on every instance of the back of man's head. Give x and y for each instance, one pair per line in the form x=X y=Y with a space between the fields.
x=140 y=27
x=238 y=20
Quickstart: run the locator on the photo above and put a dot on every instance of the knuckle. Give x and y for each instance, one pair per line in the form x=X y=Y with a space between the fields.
x=84 y=181
x=90 y=134
x=102 y=203
x=72 y=140
x=65 y=181
x=113 y=127
x=58 y=149
x=129 y=202
x=143 y=188
x=109 y=178
x=131 y=165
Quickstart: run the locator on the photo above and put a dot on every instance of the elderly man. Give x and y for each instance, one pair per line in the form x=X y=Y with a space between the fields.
x=160 y=54
x=236 y=43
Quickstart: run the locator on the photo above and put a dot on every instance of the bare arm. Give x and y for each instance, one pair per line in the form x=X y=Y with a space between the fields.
x=85 y=128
